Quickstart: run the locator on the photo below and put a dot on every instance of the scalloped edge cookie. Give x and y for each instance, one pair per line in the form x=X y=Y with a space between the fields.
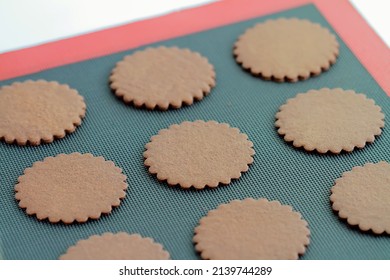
x=251 y=229
x=24 y=123
x=185 y=76
x=322 y=120
x=362 y=197
x=188 y=154
x=98 y=186
x=119 y=246
x=269 y=62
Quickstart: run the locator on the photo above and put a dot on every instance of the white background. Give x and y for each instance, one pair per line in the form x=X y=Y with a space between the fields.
x=26 y=23
x=281 y=270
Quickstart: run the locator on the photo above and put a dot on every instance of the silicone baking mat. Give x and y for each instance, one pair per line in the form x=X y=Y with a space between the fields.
x=169 y=214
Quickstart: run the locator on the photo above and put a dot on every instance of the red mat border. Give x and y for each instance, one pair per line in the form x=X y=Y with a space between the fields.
x=348 y=23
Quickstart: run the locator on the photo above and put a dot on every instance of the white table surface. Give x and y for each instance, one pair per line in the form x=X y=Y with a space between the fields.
x=25 y=23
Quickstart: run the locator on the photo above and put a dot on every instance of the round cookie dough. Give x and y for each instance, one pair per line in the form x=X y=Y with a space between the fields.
x=330 y=120
x=70 y=188
x=251 y=229
x=199 y=154
x=36 y=111
x=362 y=196
x=120 y=246
x=163 y=77
x=286 y=49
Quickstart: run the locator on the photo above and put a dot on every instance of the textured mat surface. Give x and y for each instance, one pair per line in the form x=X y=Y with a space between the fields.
x=119 y=132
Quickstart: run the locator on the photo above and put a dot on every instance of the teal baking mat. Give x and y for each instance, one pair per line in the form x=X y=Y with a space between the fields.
x=169 y=214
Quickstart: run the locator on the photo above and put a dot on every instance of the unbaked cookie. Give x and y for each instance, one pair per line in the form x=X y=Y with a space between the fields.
x=163 y=77
x=251 y=229
x=120 y=246
x=362 y=196
x=199 y=154
x=330 y=120
x=286 y=49
x=70 y=188
x=36 y=111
